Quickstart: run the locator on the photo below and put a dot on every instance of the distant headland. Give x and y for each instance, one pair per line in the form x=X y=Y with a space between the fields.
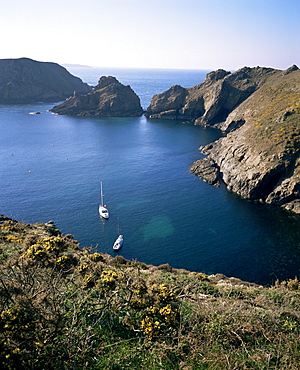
x=27 y=81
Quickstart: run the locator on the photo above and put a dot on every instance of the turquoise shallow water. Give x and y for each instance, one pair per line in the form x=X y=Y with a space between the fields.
x=51 y=167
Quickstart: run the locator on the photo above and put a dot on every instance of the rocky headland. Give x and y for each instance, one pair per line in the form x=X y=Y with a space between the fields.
x=27 y=81
x=109 y=98
x=258 y=109
x=209 y=102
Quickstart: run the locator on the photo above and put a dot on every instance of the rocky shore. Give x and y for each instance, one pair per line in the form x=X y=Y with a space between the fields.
x=260 y=159
x=259 y=111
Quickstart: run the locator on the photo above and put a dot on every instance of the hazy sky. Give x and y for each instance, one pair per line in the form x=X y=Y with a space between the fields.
x=199 y=34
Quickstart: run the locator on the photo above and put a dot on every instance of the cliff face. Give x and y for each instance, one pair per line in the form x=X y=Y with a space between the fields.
x=108 y=99
x=259 y=158
x=210 y=102
x=26 y=81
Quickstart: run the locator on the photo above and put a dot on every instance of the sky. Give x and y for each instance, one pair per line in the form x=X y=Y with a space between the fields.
x=175 y=34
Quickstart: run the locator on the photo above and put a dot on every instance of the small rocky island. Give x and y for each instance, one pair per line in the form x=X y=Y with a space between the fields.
x=25 y=81
x=108 y=99
x=258 y=109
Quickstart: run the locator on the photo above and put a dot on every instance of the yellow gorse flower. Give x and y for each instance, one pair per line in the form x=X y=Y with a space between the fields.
x=41 y=248
x=88 y=278
x=62 y=261
x=150 y=327
x=96 y=257
x=13 y=239
x=165 y=293
x=168 y=314
x=15 y=319
x=108 y=276
x=84 y=266
x=108 y=279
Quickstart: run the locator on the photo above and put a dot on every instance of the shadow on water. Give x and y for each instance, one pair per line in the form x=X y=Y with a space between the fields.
x=269 y=246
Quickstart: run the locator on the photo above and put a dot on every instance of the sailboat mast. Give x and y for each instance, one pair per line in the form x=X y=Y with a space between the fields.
x=118 y=225
x=101 y=194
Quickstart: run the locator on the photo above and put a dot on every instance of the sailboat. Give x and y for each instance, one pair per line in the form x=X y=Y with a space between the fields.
x=119 y=241
x=103 y=212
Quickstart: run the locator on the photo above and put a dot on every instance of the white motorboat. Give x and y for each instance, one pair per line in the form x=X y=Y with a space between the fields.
x=103 y=212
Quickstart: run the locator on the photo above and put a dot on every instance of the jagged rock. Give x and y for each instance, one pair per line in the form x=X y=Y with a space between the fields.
x=290 y=69
x=260 y=158
x=286 y=190
x=207 y=170
x=170 y=100
x=293 y=206
x=210 y=102
x=108 y=99
x=26 y=81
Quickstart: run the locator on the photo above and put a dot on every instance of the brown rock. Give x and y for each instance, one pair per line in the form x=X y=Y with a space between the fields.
x=27 y=81
x=210 y=102
x=108 y=99
x=260 y=159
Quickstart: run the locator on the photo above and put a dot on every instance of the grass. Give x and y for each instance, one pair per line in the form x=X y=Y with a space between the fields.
x=275 y=122
x=62 y=307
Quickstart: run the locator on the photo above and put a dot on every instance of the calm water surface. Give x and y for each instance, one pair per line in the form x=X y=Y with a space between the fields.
x=51 y=167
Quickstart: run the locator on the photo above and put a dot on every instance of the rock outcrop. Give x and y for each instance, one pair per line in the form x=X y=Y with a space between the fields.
x=210 y=102
x=108 y=99
x=260 y=158
x=27 y=81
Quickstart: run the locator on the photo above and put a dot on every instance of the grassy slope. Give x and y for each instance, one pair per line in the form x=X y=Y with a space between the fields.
x=273 y=114
x=66 y=308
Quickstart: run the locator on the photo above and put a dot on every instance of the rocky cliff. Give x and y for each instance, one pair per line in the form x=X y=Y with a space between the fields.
x=259 y=158
x=26 y=81
x=108 y=99
x=210 y=102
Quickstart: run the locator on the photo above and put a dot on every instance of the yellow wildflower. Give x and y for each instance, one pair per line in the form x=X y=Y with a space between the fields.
x=83 y=267
x=62 y=261
x=150 y=327
x=96 y=257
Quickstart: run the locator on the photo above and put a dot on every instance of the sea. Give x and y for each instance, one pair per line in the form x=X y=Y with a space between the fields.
x=51 y=169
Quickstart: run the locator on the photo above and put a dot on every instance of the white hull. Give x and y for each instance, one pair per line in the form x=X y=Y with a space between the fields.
x=118 y=243
x=103 y=212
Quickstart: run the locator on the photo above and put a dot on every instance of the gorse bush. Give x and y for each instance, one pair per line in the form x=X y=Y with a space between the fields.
x=66 y=308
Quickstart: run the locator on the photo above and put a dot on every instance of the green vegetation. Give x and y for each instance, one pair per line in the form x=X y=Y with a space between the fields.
x=62 y=307
x=276 y=121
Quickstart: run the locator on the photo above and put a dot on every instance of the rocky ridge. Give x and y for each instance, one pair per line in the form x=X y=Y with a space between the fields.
x=259 y=111
x=211 y=101
x=259 y=157
x=27 y=81
x=108 y=99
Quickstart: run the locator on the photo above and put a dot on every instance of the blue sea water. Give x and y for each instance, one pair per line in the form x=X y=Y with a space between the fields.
x=51 y=168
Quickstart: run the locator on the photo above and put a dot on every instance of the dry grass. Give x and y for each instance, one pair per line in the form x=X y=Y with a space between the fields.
x=66 y=308
x=276 y=118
